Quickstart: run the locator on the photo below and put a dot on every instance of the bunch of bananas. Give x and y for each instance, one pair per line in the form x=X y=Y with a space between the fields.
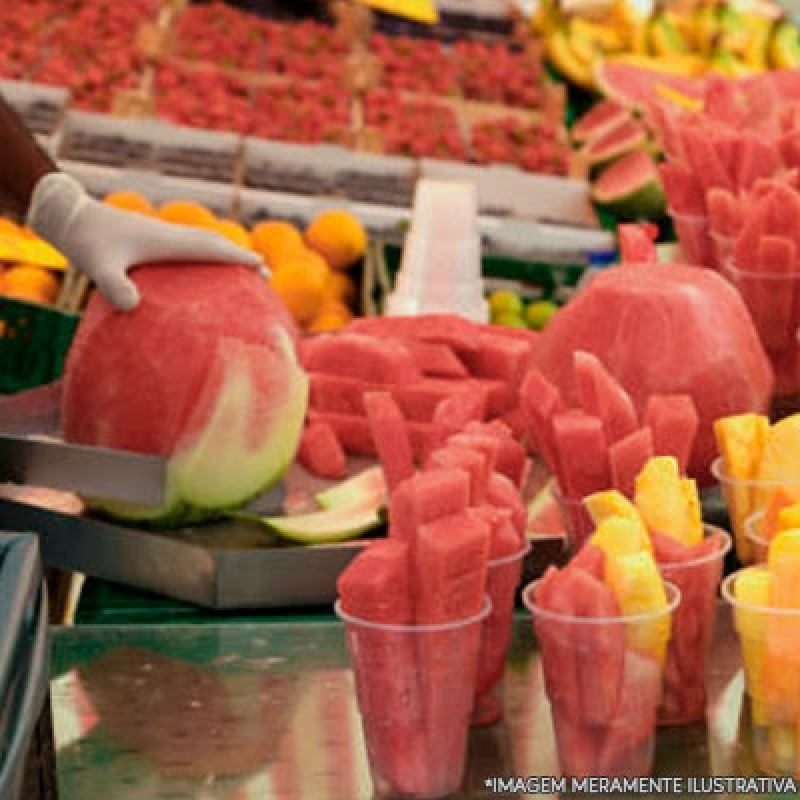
x=690 y=39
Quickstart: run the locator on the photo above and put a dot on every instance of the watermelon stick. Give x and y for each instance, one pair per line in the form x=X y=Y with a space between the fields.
x=390 y=434
x=673 y=421
x=636 y=244
x=627 y=457
x=541 y=400
x=772 y=290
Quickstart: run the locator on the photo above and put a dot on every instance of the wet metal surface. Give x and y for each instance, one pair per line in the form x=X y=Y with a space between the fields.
x=267 y=711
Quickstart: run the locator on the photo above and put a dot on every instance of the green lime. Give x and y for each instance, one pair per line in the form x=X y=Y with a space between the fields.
x=509 y=320
x=539 y=313
x=504 y=301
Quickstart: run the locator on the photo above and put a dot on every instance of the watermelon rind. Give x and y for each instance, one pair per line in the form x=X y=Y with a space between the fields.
x=369 y=485
x=602 y=151
x=638 y=200
x=602 y=118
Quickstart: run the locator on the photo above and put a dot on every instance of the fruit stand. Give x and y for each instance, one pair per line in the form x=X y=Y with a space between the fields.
x=319 y=550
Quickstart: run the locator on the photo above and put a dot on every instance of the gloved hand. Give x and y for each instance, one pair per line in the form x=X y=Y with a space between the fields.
x=105 y=242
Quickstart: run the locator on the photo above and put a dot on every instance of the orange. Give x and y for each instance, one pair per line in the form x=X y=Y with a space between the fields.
x=332 y=316
x=339 y=237
x=233 y=231
x=273 y=238
x=342 y=287
x=28 y=282
x=186 y=212
x=300 y=282
x=129 y=201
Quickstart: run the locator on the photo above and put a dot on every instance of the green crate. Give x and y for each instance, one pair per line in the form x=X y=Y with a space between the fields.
x=33 y=343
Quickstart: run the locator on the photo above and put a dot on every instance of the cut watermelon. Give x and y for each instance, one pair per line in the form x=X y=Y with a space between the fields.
x=637 y=243
x=390 y=434
x=500 y=358
x=583 y=453
x=355 y=434
x=435 y=360
x=224 y=403
x=471 y=461
x=541 y=400
x=321 y=453
x=631 y=187
x=673 y=421
x=627 y=457
x=502 y=493
x=511 y=458
x=638 y=87
x=629 y=136
x=683 y=191
x=599 y=120
x=467 y=404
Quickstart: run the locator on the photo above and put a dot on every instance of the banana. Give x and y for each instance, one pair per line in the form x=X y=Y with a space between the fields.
x=686 y=64
x=784 y=46
x=704 y=29
x=663 y=37
x=563 y=57
x=755 y=53
x=725 y=63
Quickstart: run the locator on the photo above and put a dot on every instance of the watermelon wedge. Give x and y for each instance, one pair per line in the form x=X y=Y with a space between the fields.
x=631 y=187
x=320 y=451
x=600 y=119
x=641 y=89
x=390 y=434
x=627 y=457
x=614 y=143
x=673 y=422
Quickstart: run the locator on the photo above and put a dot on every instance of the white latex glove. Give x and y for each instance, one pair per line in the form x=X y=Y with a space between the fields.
x=105 y=242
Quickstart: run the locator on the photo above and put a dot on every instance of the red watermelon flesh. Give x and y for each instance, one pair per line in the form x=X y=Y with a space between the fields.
x=673 y=421
x=467 y=404
x=321 y=452
x=696 y=571
x=684 y=193
x=390 y=434
x=500 y=358
x=502 y=493
x=541 y=400
x=676 y=330
x=436 y=360
x=355 y=434
x=504 y=540
x=615 y=142
x=224 y=400
x=474 y=463
x=637 y=87
x=583 y=453
x=627 y=458
x=758 y=157
x=511 y=457
x=590 y=559
x=601 y=118
x=455 y=331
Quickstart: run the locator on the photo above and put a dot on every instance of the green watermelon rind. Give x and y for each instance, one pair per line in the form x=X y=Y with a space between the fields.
x=599 y=161
x=647 y=200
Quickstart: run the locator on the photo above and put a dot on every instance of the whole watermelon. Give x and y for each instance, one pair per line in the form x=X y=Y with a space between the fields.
x=663 y=329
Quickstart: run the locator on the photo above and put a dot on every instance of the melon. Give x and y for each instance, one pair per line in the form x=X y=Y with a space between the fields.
x=664 y=329
x=601 y=118
x=640 y=88
x=631 y=187
x=614 y=143
x=204 y=374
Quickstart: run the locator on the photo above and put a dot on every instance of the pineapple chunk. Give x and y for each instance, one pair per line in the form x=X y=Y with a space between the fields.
x=639 y=589
x=617 y=536
x=612 y=504
x=663 y=500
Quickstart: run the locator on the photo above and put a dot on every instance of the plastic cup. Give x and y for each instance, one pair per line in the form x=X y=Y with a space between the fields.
x=759 y=544
x=414 y=688
x=698 y=580
x=578 y=523
x=502 y=580
x=743 y=498
x=769 y=641
x=603 y=695
x=773 y=300
x=694 y=236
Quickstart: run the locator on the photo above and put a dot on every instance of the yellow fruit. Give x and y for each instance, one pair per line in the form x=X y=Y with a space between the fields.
x=617 y=536
x=28 y=282
x=339 y=237
x=273 y=239
x=612 y=504
x=233 y=231
x=639 y=589
x=342 y=288
x=300 y=281
x=664 y=502
x=185 y=212
x=129 y=201
x=332 y=316
x=565 y=60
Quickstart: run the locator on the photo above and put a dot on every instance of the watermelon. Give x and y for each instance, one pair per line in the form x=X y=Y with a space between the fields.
x=467 y=404
x=511 y=458
x=475 y=463
x=631 y=187
x=641 y=89
x=673 y=421
x=390 y=434
x=677 y=330
x=541 y=400
x=627 y=457
x=436 y=360
x=601 y=118
x=202 y=373
x=500 y=358
x=355 y=434
x=321 y=453
x=614 y=143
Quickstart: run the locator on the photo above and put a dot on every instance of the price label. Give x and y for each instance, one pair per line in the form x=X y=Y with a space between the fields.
x=417 y=10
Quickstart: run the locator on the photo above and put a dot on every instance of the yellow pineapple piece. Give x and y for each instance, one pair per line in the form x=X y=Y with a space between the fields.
x=617 y=536
x=752 y=588
x=613 y=504
x=789 y=518
x=694 y=511
x=741 y=440
x=661 y=499
x=636 y=582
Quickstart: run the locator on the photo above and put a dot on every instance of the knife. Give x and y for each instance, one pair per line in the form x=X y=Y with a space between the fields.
x=92 y=471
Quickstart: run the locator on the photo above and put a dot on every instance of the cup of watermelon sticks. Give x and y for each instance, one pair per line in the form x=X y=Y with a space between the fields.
x=502 y=579
x=604 y=692
x=414 y=687
x=578 y=523
x=693 y=233
x=759 y=543
x=697 y=572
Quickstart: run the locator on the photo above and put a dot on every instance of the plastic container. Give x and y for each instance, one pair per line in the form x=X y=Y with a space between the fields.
x=759 y=544
x=698 y=579
x=24 y=664
x=743 y=498
x=768 y=642
x=578 y=523
x=34 y=343
x=414 y=688
x=502 y=580
x=615 y=739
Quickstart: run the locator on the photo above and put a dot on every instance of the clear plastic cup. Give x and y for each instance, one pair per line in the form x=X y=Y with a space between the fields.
x=743 y=498
x=698 y=580
x=769 y=640
x=693 y=233
x=759 y=544
x=502 y=579
x=603 y=694
x=414 y=687
x=773 y=300
x=578 y=523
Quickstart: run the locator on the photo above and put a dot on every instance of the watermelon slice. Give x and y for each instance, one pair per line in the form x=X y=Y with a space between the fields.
x=475 y=463
x=500 y=358
x=455 y=331
x=631 y=187
x=637 y=244
x=638 y=87
x=224 y=403
x=600 y=119
x=673 y=422
x=321 y=453
x=583 y=453
x=467 y=404
x=511 y=458
x=684 y=194
x=436 y=360
x=502 y=493
x=390 y=434
x=627 y=457
x=614 y=143
x=541 y=400
x=355 y=434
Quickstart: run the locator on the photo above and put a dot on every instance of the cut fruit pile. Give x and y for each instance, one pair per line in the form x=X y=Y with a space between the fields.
x=442 y=371
x=447 y=520
x=759 y=469
x=767 y=619
x=676 y=331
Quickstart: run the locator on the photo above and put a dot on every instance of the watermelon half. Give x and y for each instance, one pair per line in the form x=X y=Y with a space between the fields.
x=631 y=187
x=202 y=373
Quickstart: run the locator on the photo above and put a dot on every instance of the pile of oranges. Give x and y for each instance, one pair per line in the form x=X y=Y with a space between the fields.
x=27 y=281
x=311 y=269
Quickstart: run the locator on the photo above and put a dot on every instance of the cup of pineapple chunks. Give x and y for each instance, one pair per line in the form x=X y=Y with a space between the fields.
x=767 y=622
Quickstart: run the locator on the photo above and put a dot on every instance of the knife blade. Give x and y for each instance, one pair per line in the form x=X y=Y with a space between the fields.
x=91 y=471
